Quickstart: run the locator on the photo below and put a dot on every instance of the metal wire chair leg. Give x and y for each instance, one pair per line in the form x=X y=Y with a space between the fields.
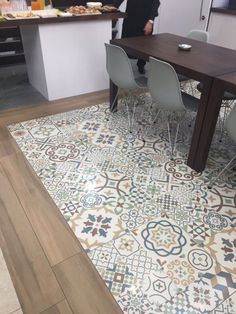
x=220 y=173
x=133 y=113
x=114 y=101
x=129 y=118
x=172 y=148
x=156 y=116
x=176 y=135
x=227 y=106
x=168 y=128
x=222 y=123
x=113 y=104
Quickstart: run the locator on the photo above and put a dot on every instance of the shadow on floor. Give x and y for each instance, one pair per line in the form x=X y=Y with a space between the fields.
x=15 y=89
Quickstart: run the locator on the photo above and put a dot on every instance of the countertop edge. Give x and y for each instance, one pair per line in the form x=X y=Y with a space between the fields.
x=68 y=19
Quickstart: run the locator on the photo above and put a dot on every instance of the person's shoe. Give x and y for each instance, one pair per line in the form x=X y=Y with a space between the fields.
x=141 y=69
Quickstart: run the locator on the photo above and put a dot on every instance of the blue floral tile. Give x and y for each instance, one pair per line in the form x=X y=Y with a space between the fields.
x=96 y=226
x=197 y=298
x=222 y=247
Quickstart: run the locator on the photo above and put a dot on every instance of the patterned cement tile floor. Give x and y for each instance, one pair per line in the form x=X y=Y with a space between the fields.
x=161 y=240
x=9 y=303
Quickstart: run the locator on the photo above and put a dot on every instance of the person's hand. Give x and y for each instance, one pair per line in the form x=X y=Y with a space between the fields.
x=148 y=28
x=4 y=2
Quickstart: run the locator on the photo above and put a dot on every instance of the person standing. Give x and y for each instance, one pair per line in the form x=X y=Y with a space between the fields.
x=139 y=21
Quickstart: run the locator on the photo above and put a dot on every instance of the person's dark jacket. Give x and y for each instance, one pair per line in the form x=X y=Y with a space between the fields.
x=138 y=14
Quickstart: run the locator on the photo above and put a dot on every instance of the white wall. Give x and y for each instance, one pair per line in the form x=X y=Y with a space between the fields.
x=180 y=19
x=181 y=16
x=177 y=18
x=222 y=30
x=119 y=23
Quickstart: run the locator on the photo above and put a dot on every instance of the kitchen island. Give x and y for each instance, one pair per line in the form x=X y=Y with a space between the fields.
x=65 y=56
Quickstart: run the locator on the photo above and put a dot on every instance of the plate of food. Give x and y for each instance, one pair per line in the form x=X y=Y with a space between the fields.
x=20 y=15
x=64 y=14
x=79 y=10
x=47 y=13
x=108 y=9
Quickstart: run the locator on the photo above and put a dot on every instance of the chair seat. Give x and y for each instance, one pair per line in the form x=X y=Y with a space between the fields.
x=226 y=96
x=183 y=78
x=190 y=102
x=141 y=81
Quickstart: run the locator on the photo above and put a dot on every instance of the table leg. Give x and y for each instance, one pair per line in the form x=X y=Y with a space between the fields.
x=205 y=124
x=113 y=98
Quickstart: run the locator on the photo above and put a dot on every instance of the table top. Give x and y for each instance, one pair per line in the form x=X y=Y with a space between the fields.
x=51 y=20
x=202 y=60
x=228 y=82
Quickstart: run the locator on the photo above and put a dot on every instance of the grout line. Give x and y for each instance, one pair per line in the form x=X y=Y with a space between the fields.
x=89 y=261
x=15 y=311
x=55 y=305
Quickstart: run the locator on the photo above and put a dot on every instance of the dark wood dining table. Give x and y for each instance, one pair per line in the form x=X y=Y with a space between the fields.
x=221 y=84
x=226 y=82
x=204 y=62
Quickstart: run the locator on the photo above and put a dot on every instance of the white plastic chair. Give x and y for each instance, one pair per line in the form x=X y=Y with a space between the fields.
x=165 y=91
x=121 y=73
x=196 y=34
x=230 y=125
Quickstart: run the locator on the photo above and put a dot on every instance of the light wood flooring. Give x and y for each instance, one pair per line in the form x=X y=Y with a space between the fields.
x=49 y=269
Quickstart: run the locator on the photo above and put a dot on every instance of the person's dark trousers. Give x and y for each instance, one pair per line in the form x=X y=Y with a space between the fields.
x=141 y=64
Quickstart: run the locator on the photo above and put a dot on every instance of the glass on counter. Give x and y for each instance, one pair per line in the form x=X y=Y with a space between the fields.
x=37 y=4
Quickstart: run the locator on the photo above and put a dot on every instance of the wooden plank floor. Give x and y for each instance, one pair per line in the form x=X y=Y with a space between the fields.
x=49 y=268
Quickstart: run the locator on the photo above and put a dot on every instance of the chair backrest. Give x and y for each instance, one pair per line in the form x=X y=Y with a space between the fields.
x=230 y=124
x=164 y=86
x=198 y=34
x=119 y=67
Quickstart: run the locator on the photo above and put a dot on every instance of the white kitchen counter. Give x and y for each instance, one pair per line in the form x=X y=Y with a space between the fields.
x=66 y=56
